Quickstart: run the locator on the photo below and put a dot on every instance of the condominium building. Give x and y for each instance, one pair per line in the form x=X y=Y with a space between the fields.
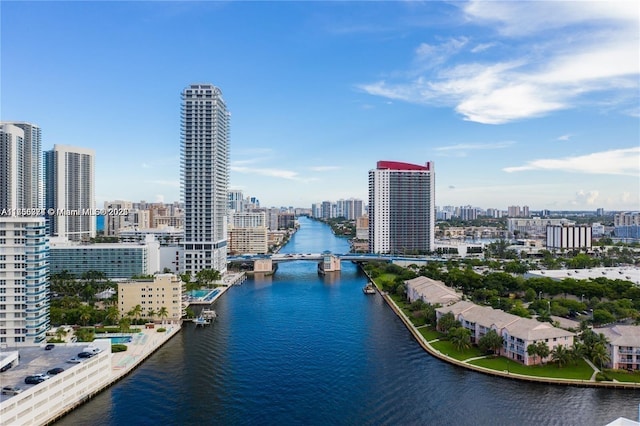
x=155 y=296
x=24 y=282
x=115 y=260
x=248 y=233
x=204 y=177
x=70 y=191
x=236 y=201
x=401 y=208
x=534 y=226
x=20 y=166
x=113 y=223
x=623 y=344
x=627 y=225
x=568 y=237
x=517 y=332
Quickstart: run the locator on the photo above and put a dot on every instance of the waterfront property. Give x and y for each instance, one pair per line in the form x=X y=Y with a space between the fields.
x=163 y=291
x=623 y=346
x=431 y=291
x=201 y=296
x=517 y=332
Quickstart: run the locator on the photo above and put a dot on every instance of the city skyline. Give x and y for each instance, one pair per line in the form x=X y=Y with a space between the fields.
x=515 y=103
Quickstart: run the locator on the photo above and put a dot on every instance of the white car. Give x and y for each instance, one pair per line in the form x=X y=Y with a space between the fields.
x=11 y=390
x=74 y=360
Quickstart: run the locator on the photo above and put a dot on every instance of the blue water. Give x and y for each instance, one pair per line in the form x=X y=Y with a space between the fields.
x=299 y=348
x=120 y=339
x=198 y=293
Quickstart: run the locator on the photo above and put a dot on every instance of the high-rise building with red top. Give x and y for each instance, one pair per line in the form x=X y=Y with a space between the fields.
x=401 y=208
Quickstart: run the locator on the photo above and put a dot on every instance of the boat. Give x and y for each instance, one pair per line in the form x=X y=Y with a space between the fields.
x=208 y=314
x=369 y=289
x=201 y=322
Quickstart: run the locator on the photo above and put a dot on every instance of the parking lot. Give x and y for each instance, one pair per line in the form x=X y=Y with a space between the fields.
x=36 y=360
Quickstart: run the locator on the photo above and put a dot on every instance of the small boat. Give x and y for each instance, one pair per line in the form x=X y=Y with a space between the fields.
x=208 y=314
x=201 y=322
x=369 y=289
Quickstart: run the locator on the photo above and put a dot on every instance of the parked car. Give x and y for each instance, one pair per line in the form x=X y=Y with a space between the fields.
x=55 y=371
x=6 y=367
x=49 y=347
x=74 y=360
x=35 y=379
x=11 y=390
x=85 y=355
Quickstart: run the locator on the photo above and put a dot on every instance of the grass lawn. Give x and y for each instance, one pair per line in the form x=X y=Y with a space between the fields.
x=429 y=333
x=623 y=376
x=447 y=348
x=579 y=371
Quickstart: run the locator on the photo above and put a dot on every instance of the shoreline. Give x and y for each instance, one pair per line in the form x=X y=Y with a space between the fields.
x=503 y=374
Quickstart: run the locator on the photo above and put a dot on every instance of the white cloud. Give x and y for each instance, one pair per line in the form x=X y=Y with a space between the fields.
x=564 y=137
x=586 y=197
x=593 y=50
x=278 y=173
x=461 y=149
x=613 y=162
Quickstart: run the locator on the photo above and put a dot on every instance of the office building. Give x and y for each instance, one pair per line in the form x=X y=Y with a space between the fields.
x=401 y=208
x=20 y=166
x=24 y=282
x=70 y=191
x=204 y=177
x=236 y=201
x=248 y=233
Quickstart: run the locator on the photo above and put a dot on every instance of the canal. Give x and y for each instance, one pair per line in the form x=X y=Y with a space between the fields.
x=299 y=348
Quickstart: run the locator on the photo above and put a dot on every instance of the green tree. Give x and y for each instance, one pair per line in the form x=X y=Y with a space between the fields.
x=532 y=351
x=207 y=277
x=543 y=350
x=491 y=341
x=560 y=355
x=112 y=315
x=124 y=323
x=600 y=354
x=135 y=312
x=461 y=338
x=530 y=295
x=447 y=322
x=84 y=314
x=151 y=313
x=163 y=313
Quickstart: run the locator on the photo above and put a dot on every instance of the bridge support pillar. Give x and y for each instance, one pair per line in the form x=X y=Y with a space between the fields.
x=329 y=263
x=263 y=265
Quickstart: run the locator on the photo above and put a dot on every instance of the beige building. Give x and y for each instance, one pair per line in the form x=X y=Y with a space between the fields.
x=163 y=291
x=431 y=291
x=247 y=233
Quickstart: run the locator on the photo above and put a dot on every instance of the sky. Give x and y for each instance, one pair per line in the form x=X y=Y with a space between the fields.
x=516 y=103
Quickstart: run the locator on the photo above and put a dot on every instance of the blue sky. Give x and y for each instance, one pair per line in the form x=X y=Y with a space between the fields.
x=516 y=103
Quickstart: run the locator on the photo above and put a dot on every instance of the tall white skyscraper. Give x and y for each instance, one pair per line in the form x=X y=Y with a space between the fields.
x=70 y=186
x=20 y=166
x=401 y=208
x=204 y=134
x=24 y=283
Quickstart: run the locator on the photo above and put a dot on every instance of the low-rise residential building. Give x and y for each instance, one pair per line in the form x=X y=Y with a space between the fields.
x=431 y=291
x=163 y=291
x=517 y=332
x=623 y=346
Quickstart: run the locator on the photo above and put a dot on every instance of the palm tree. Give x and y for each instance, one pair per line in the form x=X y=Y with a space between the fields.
x=163 y=313
x=124 y=323
x=461 y=338
x=84 y=314
x=136 y=312
x=112 y=314
x=532 y=351
x=151 y=313
x=543 y=350
x=561 y=355
x=600 y=354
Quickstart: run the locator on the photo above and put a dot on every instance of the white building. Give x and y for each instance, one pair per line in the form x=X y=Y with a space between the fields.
x=24 y=283
x=20 y=166
x=236 y=201
x=623 y=345
x=113 y=223
x=568 y=237
x=534 y=226
x=204 y=177
x=431 y=291
x=70 y=190
x=401 y=208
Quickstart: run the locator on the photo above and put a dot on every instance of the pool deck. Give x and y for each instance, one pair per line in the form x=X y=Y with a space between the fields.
x=227 y=282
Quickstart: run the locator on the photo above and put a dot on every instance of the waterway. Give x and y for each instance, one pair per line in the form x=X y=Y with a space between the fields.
x=299 y=348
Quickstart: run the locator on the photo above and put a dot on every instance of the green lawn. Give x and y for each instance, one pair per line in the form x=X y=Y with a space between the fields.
x=429 y=333
x=579 y=371
x=623 y=376
x=447 y=348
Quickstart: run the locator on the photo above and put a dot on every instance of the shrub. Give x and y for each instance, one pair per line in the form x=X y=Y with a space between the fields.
x=118 y=347
x=162 y=330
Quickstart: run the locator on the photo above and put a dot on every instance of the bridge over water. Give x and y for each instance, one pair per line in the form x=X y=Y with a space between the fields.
x=327 y=262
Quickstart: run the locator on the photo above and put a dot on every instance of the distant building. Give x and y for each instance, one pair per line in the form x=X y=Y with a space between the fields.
x=24 y=281
x=401 y=208
x=20 y=166
x=70 y=191
x=627 y=225
x=286 y=221
x=236 y=201
x=248 y=233
x=163 y=291
x=623 y=346
x=113 y=223
x=534 y=226
x=431 y=291
x=568 y=237
x=205 y=135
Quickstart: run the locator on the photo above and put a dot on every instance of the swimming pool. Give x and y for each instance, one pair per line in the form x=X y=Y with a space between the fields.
x=120 y=339
x=199 y=293
x=204 y=295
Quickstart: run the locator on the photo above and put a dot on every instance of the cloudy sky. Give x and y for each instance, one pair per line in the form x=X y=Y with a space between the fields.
x=516 y=103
